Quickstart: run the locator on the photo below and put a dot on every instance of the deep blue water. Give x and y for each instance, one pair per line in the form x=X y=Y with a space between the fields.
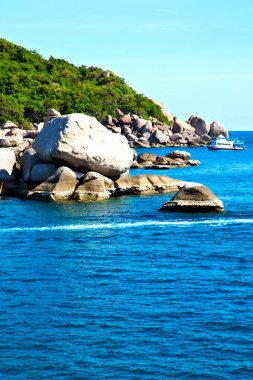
x=120 y=290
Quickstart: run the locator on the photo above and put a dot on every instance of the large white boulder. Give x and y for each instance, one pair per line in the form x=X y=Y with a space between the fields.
x=80 y=141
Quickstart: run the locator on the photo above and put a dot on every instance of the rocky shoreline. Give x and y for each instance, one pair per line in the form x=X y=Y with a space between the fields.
x=139 y=132
x=75 y=157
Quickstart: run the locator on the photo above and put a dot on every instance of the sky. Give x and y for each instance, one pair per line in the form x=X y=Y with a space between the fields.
x=195 y=56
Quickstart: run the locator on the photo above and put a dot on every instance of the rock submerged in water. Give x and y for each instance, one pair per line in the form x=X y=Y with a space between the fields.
x=96 y=187
x=194 y=197
x=175 y=159
x=81 y=142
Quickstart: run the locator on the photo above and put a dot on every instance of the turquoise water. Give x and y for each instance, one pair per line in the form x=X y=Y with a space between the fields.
x=120 y=290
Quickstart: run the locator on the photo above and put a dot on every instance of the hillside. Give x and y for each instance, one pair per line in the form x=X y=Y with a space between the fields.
x=29 y=84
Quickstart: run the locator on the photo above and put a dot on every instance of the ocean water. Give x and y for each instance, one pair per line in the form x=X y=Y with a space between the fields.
x=120 y=290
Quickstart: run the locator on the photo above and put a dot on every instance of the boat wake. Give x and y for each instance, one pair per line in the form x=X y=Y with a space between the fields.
x=138 y=224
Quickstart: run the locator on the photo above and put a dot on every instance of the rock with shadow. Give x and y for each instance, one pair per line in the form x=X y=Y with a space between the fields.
x=194 y=197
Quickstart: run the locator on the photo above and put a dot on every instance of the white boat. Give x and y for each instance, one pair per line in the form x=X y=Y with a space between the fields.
x=224 y=143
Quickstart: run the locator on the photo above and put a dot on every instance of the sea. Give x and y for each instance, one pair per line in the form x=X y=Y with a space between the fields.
x=120 y=290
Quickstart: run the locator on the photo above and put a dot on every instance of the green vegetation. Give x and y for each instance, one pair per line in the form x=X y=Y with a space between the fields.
x=30 y=84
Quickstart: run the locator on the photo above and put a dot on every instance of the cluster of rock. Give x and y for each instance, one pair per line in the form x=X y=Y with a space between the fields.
x=175 y=159
x=75 y=157
x=11 y=136
x=144 y=133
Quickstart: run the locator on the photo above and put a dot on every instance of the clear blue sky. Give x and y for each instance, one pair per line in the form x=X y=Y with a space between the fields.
x=196 y=56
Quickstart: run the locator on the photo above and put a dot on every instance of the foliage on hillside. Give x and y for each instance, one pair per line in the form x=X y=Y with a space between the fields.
x=30 y=84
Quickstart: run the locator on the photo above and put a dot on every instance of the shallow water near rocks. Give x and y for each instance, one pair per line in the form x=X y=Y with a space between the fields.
x=121 y=290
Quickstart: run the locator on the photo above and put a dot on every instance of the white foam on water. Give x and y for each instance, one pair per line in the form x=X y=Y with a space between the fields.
x=148 y=223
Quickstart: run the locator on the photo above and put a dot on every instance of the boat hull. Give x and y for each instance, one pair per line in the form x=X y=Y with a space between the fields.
x=224 y=148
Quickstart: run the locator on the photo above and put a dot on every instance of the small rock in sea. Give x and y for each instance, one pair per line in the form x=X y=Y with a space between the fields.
x=179 y=154
x=194 y=197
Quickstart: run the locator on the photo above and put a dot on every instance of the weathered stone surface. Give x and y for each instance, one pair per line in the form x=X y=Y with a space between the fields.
x=206 y=138
x=201 y=126
x=116 y=129
x=29 y=159
x=8 y=125
x=7 y=160
x=176 y=137
x=60 y=186
x=41 y=172
x=174 y=159
x=143 y=140
x=194 y=197
x=139 y=123
x=123 y=183
x=158 y=137
x=151 y=184
x=161 y=160
x=119 y=112
x=141 y=144
x=81 y=142
x=165 y=129
x=193 y=162
x=134 y=154
x=10 y=138
x=109 y=120
x=51 y=113
x=31 y=134
x=179 y=154
x=126 y=130
x=7 y=163
x=148 y=127
x=146 y=135
x=216 y=129
x=125 y=119
x=180 y=126
x=18 y=150
x=23 y=146
x=132 y=137
x=146 y=157
x=94 y=187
